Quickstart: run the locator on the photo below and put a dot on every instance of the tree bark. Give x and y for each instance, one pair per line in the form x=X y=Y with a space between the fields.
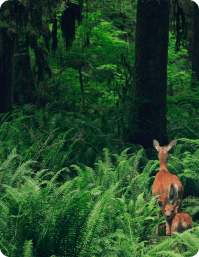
x=148 y=119
x=24 y=88
x=6 y=71
x=195 y=48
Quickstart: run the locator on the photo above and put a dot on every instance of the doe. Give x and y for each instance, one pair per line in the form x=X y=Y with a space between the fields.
x=166 y=185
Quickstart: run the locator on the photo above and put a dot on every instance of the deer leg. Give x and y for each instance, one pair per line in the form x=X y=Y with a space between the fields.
x=168 y=229
x=158 y=216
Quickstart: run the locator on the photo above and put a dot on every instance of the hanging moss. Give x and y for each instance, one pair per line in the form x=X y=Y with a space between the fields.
x=69 y=16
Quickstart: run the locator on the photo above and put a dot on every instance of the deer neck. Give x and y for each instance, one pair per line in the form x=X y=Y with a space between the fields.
x=163 y=164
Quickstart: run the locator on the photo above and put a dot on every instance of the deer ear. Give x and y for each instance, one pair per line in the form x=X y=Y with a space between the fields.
x=177 y=203
x=172 y=145
x=156 y=145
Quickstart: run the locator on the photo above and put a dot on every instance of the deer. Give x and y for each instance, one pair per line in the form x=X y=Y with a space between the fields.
x=178 y=222
x=166 y=185
x=181 y=222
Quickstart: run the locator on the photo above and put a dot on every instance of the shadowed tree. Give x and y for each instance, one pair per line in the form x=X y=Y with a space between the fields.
x=195 y=47
x=23 y=27
x=148 y=117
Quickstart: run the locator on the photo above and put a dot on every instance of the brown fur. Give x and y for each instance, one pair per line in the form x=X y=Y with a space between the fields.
x=181 y=222
x=177 y=222
x=167 y=185
x=169 y=211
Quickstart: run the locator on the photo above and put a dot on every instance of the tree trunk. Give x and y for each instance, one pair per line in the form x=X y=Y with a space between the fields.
x=148 y=119
x=24 y=88
x=6 y=71
x=195 y=48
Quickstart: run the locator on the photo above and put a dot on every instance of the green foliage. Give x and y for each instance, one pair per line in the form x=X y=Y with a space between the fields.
x=58 y=138
x=107 y=210
x=101 y=51
x=183 y=116
x=69 y=186
x=179 y=75
x=28 y=249
x=56 y=208
x=182 y=104
x=65 y=213
x=191 y=241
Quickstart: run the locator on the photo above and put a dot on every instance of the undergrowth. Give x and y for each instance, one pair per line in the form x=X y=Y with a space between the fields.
x=103 y=209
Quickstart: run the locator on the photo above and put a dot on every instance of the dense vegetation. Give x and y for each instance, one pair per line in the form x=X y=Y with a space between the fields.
x=70 y=184
x=53 y=207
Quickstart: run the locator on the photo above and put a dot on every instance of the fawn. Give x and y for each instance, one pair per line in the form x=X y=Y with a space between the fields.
x=178 y=222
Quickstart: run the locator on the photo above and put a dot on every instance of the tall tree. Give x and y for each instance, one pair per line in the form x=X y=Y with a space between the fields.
x=148 y=120
x=22 y=27
x=195 y=47
x=6 y=56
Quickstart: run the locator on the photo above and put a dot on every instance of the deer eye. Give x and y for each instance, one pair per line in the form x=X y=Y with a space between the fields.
x=172 y=211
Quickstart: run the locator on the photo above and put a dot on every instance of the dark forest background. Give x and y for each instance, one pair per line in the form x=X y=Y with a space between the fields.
x=85 y=87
